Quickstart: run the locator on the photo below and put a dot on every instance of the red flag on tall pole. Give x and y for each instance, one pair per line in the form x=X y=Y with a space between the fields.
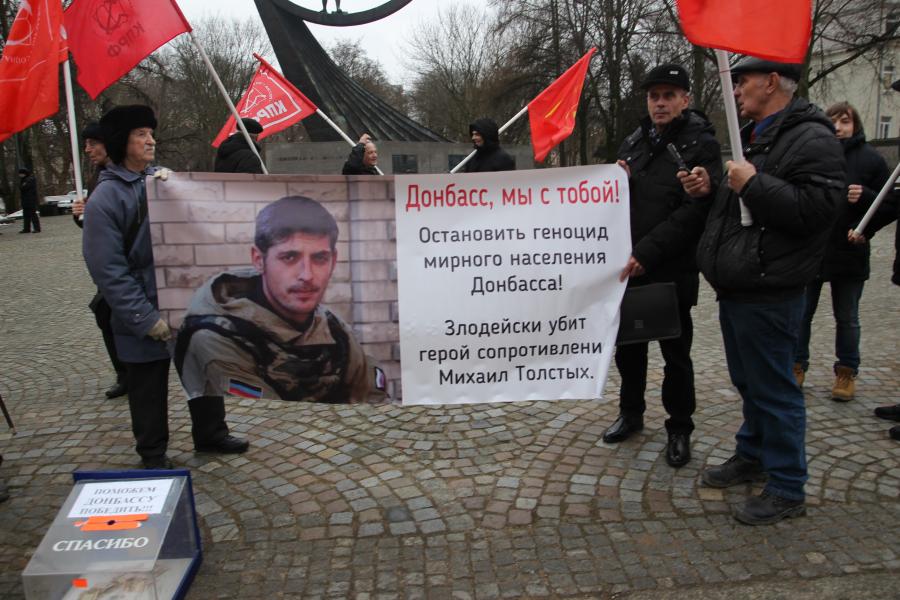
x=272 y=100
x=776 y=30
x=552 y=113
x=108 y=38
x=29 y=72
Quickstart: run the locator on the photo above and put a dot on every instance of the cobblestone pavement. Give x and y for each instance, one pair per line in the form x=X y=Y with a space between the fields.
x=476 y=502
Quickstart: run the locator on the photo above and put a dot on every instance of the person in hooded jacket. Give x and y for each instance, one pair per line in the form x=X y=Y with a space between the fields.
x=846 y=264
x=665 y=226
x=489 y=156
x=791 y=182
x=119 y=256
x=234 y=154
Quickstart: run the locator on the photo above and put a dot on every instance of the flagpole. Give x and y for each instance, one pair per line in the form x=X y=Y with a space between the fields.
x=888 y=186
x=499 y=131
x=234 y=112
x=341 y=132
x=734 y=130
x=73 y=131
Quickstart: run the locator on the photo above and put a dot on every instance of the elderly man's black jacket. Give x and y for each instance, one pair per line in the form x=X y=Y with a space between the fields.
x=665 y=222
x=793 y=197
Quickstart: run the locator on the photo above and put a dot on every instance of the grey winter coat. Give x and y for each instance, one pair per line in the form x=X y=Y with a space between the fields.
x=125 y=277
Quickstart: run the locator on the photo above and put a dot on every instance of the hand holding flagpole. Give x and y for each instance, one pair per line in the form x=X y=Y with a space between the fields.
x=734 y=130
x=888 y=186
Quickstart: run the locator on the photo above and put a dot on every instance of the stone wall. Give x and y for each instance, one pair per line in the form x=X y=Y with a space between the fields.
x=203 y=224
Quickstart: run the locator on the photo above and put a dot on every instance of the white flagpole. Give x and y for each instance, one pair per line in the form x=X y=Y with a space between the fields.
x=888 y=186
x=73 y=130
x=734 y=130
x=234 y=112
x=341 y=132
x=501 y=130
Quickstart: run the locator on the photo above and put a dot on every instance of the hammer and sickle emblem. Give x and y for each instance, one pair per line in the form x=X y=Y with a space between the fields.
x=111 y=14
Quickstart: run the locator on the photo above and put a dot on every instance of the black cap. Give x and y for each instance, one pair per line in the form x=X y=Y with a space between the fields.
x=25 y=170
x=896 y=86
x=669 y=73
x=121 y=121
x=751 y=64
x=92 y=131
x=252 y=125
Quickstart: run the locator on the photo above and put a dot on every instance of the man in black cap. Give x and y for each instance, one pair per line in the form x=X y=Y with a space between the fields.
x=28 y=187
x=665 y=226
x=117 y=249
x=234 y=154
x=489 y=156
x=792 y=182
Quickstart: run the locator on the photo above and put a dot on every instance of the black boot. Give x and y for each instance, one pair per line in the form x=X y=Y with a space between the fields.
x=208 y=427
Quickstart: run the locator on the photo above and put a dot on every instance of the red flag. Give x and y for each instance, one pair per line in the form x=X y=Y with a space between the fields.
x=776 y=30
x=109 y=37
x=29 y=72
x=552 y=113
x=272 y=100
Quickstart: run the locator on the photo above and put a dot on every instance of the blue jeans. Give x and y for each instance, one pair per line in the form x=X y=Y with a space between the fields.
x=845 y=297
x=759 y=347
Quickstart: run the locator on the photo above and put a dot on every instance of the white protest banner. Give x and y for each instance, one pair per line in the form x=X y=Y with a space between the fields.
x=138 y=496
x=508 y=283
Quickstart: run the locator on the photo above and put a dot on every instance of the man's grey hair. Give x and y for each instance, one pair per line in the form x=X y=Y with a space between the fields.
x=293 y=214
x=787 y=85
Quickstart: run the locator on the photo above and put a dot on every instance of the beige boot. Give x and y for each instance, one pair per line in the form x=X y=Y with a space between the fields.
x=799 y=374
x=844 y=384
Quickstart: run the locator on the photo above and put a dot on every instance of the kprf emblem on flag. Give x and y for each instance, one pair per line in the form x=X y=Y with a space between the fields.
x=272 y=100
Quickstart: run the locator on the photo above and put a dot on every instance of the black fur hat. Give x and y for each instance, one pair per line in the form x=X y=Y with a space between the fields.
x=92 y=131
x=121 y=121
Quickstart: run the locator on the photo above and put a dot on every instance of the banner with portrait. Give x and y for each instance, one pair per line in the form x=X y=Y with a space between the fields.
x=290 y=287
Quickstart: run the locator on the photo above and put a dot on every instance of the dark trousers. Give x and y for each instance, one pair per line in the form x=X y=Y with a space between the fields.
x=759 y=346
x=148 y=400
x=103 y=315
x=207 y=420
x=678 y=395
x=30 y=218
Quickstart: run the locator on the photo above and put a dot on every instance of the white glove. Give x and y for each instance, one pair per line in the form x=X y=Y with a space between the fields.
x=162 y=174
x=160 y=332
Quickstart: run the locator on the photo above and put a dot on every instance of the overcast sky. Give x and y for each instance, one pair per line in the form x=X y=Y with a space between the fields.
x=383 y=40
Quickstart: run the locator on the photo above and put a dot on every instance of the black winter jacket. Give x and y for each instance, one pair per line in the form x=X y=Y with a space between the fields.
x=865 y=167
x=490 y=156
x=28 y=187
x=355 y=165
x=235 y=156
x=793 y=199
x=887 y=213
x=665 y=222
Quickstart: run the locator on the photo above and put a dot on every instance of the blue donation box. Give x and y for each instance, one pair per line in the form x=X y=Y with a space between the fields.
x=126 y=535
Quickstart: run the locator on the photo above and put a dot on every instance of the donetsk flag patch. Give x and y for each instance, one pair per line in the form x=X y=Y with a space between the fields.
x=244 y=390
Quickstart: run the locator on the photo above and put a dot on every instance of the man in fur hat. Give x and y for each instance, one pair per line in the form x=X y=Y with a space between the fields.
x=119 y=256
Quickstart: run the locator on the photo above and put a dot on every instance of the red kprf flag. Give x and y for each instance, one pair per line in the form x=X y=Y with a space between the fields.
x=29 y=71
x=109 y=37
x=776 y=30
x=272 y=100
x=552 y=113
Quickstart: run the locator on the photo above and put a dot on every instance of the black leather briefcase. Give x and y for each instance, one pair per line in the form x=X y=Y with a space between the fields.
x=648 y=313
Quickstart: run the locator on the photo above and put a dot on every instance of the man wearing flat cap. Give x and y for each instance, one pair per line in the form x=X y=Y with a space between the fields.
x=665 y=226
x=117 y=249
x=234 y=154
x=792 y=182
